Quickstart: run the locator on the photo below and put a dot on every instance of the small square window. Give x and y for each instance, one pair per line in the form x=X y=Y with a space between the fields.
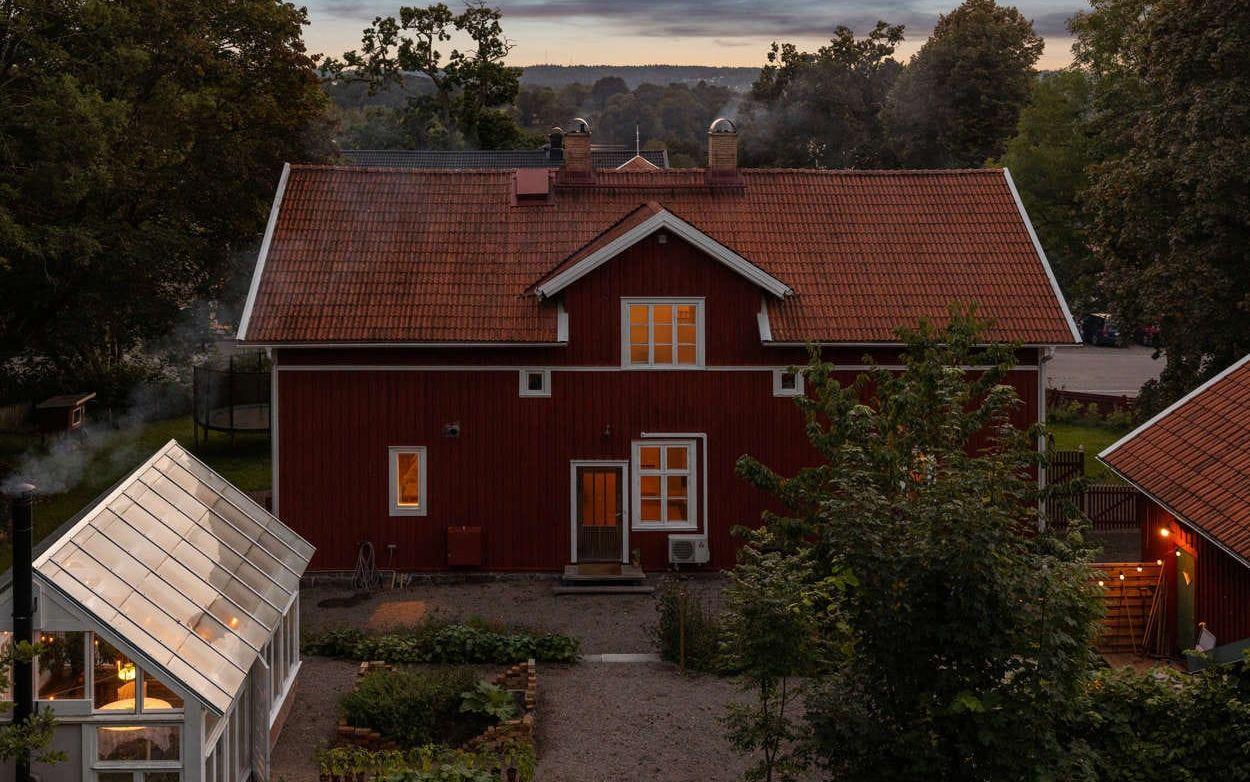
x=535 y=382
x=787 y=382
x=407 y=482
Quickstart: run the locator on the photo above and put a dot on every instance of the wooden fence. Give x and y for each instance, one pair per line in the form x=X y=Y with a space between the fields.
x=1109 y=506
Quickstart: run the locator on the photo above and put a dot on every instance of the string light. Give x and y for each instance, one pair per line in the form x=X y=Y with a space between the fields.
x=1122 y=575
x=1164 y=532
x=1159 y=562
x=1100 y=583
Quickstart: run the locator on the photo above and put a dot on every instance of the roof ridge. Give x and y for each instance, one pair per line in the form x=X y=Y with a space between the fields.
x=671 y=172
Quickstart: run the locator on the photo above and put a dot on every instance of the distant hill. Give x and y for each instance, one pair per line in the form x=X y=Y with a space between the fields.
x=738 y=79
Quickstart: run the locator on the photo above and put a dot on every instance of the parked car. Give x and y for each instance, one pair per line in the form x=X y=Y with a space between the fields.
x=1099 y=329
x=1146 y=335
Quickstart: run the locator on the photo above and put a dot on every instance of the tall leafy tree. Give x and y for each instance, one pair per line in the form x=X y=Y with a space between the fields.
x=140 y=143
x=469 y=103
x=960 y=97
x=961 y=642
x=1049 y=157
x=1169 y=209
x=822 y=109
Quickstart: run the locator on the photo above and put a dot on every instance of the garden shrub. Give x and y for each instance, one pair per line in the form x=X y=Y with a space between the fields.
x=429 y=763
x=435 y=642
x=1164 y=725
x=677 y=605
x=416 y=708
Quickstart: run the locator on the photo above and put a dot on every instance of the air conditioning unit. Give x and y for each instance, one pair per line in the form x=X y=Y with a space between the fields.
x=687 y=550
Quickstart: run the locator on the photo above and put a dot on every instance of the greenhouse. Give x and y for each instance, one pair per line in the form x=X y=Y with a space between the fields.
x=167 y=613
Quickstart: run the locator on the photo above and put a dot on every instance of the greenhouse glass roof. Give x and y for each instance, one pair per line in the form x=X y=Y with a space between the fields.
x=189 y=570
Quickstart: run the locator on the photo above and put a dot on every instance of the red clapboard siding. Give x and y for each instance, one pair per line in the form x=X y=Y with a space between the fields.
x=508 y=471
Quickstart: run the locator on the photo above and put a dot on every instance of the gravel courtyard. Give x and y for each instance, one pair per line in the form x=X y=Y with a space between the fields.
x=597 y=722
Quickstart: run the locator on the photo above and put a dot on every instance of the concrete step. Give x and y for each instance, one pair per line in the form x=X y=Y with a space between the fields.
x=596 y=573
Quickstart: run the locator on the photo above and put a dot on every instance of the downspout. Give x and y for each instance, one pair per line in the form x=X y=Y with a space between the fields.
x=1044 y=355
x=22 y=500
x=702 y=438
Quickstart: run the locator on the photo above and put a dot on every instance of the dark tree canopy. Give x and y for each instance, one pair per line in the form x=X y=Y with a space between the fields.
x=960 y=97
x=140 y=144
x=1169 y=201
x=469 y=99
x=822 y=109
x=1048 y=159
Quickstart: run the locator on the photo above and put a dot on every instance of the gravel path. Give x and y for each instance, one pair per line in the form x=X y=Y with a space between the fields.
x=313 y=718
x=597 y=722
x=603 y=722
x=604 y=623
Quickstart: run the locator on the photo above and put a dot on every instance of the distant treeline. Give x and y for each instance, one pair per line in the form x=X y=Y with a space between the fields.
x=738 y=79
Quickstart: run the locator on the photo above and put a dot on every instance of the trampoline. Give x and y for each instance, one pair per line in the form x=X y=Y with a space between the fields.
x=231 y=396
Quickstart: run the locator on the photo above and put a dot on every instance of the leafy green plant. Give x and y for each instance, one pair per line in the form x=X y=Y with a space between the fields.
x=415 y=707
x=32 y=736
x=686 y=633
x=435 y=642
x=489 y=700
x=428 y=763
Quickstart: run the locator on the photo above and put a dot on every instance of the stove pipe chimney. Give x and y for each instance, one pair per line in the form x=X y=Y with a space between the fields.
x=21 y=503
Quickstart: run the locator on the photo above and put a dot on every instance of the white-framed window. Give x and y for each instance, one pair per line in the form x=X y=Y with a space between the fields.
x=787 y=382
x=407 y=483
x=664 y=483
x=662 y=333
x=535 y=382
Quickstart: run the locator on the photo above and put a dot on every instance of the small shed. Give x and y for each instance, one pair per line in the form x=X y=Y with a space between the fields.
x=169 y=615
x=63 y=413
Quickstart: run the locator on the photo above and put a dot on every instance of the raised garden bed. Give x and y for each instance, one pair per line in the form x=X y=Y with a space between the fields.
x=502 y=750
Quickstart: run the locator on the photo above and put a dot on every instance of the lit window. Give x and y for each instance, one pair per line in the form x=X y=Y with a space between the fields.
x=667 y=333
x=787 y=383
x=62 y=666
x=664 y=484
x=407 y=484
x=535 y=382
x=138 y=742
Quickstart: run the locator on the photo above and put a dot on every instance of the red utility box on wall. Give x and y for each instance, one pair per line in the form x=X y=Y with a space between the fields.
x=464 y=546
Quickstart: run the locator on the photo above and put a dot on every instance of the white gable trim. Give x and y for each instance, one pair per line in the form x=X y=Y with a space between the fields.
x=663 y=219
x=264 y=252
x=1041 y=254
x=766 y=328
x=1110 y=449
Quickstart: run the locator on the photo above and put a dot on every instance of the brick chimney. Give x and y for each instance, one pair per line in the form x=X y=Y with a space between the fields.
x=578 y=165
x=722 y=152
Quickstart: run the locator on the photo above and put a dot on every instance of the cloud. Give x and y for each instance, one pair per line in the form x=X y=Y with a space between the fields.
x=721 y=20
x=732 y=44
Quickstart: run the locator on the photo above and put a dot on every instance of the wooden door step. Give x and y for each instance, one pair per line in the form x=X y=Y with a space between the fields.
x=602 y=573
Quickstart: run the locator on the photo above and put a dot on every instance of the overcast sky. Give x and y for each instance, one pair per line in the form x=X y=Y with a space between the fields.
x=681 y=32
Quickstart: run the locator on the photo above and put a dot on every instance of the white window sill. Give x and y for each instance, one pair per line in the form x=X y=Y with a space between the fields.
x=661 y=526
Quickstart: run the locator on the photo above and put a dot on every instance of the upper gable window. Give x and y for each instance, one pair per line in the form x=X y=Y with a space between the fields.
x=662 y=333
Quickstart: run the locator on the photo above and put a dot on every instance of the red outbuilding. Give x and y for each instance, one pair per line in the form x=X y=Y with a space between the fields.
x=519 y=370
x=1193 y=461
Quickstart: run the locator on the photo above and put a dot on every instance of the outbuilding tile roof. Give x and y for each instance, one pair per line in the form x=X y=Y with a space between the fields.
x=602 y=157
x=1194 y=458
x=388 y=255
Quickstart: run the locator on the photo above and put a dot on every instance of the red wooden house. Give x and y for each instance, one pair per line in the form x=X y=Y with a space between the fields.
x=1193 y=461
x=571 y=360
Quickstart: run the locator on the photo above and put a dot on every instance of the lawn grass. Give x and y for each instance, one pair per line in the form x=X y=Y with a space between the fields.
x=1071 y=436
x=246 y=465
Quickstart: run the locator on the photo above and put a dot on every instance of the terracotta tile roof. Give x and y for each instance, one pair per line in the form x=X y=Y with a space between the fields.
x=389 y=255
x=637 y=163
x=1194 y=458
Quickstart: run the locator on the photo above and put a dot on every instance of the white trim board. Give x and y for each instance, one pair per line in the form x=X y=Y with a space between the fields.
x=662 y=220
x=1041 y=254
x=1110 y=449
x=588 y=368
x=263 y=255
